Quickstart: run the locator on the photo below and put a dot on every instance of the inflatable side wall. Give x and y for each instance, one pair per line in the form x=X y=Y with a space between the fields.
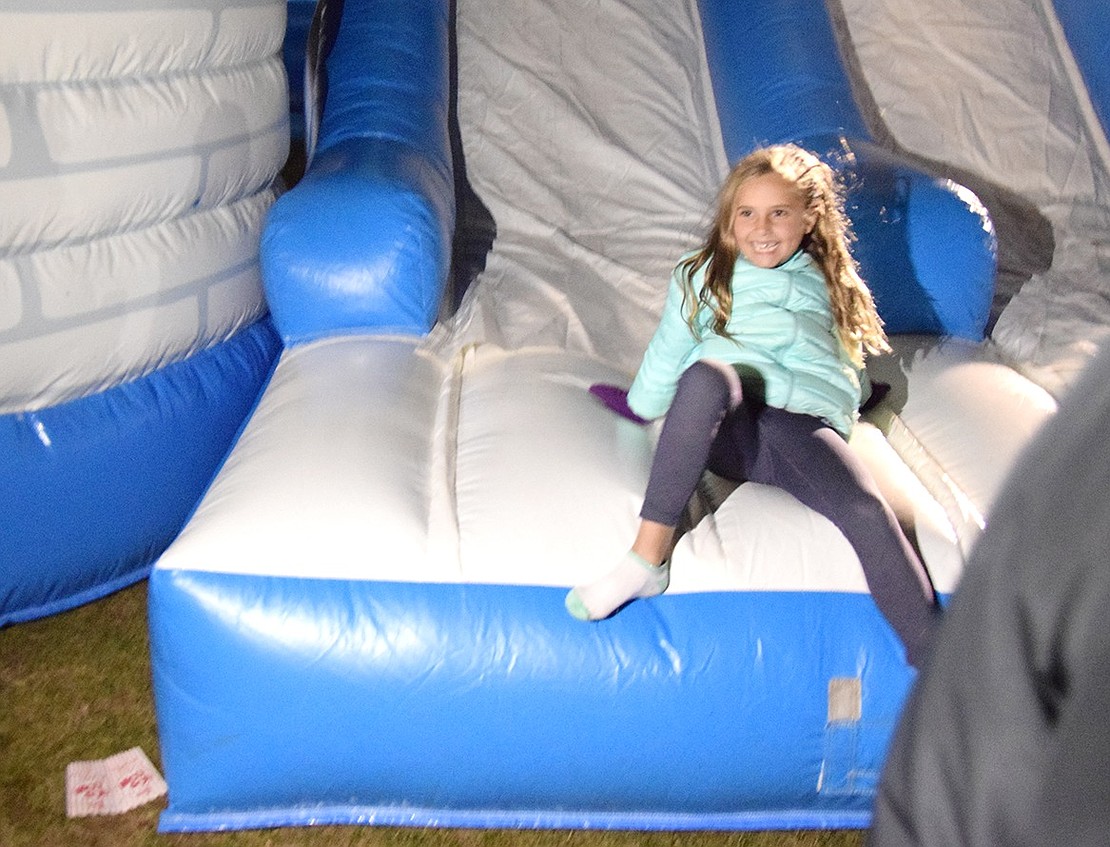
x=138 y=148
x=927 y=278
x=364 y=242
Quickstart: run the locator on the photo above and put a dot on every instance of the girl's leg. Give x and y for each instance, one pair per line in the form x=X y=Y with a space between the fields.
x=803 y=456
x=706 y=392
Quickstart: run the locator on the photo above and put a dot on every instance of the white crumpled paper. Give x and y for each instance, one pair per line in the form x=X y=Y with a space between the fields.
x=113 y=785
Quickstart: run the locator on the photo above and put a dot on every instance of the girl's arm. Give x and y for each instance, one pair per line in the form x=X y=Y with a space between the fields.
x=666 y=355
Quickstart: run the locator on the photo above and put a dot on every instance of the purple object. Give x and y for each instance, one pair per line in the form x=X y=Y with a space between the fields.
x=616 y=398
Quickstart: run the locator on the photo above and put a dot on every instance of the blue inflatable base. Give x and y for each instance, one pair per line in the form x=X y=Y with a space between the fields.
x=92 y=491
x=299 y=701
x=403 y=816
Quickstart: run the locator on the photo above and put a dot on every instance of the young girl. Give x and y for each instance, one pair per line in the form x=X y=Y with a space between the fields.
x=757 y=364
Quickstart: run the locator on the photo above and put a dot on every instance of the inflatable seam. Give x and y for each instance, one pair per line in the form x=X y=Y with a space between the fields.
x=1091 y=123
x=117 y=81
x=443 y=521
x=966 y=519
x=106 y=65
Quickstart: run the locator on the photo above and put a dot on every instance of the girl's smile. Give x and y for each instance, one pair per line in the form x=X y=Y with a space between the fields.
x=769 y=220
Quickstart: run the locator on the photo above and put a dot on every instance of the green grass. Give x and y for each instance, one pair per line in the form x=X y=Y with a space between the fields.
x=76 y=686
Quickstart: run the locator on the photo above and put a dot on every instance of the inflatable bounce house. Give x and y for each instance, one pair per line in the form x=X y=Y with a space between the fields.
x=345 y=427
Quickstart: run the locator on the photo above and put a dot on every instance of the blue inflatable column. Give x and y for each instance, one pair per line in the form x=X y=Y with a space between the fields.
x=926 y=245
x=363 y=242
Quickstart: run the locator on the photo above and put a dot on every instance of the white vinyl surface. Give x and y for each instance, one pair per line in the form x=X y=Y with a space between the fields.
x=137 y=155
x=369 y=458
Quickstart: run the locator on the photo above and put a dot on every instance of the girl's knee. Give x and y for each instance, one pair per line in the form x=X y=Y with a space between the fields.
x=709 y=378
x=865 y=507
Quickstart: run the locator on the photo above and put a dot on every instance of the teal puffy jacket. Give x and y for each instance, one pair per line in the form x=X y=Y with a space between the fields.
x=783 y=333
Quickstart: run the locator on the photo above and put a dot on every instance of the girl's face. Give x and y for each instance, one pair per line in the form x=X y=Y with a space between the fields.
x=769 y=220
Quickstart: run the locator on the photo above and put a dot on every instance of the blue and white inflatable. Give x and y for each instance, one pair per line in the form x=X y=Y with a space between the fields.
x=362 y=620
x=138 y=150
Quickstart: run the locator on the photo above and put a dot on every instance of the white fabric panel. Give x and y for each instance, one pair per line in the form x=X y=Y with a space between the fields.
x=331 y=477
x=115 y=308
x=85 y=357
x=140 y=117
x=232 y=302
x=369 y=459
x=1001 y=100
x=762 y=539
x=247 y=31
x=589 y=133
x=548 y=481
x=62 y=45
x=104 y=273
x=91 y=45
x=961 y=418
x=50 y=209
x=79 y=204
x=244 y=165
x=139 y=148
x=65 y=296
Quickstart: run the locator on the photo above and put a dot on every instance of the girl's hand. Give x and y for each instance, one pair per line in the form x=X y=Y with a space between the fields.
x=616 y=398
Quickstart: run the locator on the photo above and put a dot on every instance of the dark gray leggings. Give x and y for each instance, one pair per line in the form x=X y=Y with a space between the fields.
x=805 y=457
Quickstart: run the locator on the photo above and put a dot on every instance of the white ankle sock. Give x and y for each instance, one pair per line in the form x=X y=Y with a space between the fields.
x=631 y=579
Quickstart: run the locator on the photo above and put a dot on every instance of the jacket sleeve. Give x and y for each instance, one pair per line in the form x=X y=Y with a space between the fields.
x=665 y=358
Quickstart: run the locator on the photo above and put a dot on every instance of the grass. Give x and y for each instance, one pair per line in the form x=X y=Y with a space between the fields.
x=76 y=686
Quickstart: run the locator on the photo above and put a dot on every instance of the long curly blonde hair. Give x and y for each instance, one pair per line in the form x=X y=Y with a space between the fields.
x=829 y=243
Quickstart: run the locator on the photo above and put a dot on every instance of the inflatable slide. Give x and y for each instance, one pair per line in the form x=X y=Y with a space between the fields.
x=362 y=619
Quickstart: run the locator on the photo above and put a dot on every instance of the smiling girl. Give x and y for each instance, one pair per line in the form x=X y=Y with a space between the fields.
x=757 y=364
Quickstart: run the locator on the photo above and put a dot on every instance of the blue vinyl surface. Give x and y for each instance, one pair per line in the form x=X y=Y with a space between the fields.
x=93 y=490
x=926 y=248
x=363 y=242
x=1086 y=27
x=366 y=698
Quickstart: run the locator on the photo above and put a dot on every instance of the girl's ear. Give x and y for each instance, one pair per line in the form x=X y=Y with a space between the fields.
x=810 y=218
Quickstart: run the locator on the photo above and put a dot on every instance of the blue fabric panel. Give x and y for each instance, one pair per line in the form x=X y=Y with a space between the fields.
x=776 y=73
x=353 y=815
x=1086 y=26
x=282 y=696
x=363 y=242
x=93 y=490
x=388 y=76
x=926 y=247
